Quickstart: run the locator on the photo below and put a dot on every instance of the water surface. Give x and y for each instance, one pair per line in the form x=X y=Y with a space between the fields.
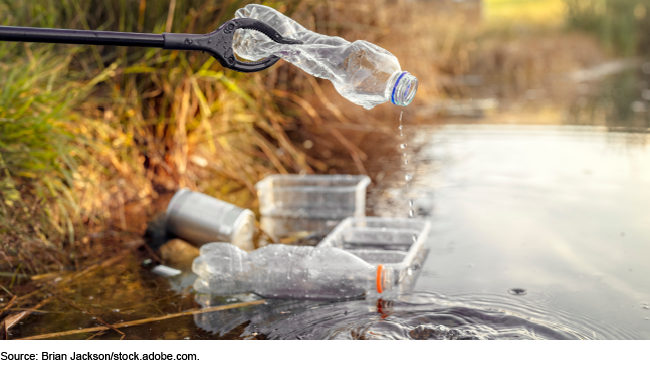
x=559 y=212
x=539 y=232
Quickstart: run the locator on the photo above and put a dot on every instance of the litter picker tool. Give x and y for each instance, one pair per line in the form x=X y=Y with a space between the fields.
x=218 y=44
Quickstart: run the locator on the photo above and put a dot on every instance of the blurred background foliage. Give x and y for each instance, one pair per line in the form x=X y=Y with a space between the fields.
x=91 y=136
x=622 y=25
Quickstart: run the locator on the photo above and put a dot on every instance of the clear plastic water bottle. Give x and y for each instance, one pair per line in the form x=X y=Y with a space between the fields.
x=282 y=271
x=362 y=72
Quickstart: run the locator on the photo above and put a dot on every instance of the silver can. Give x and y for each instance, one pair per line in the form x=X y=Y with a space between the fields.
x=200 y=218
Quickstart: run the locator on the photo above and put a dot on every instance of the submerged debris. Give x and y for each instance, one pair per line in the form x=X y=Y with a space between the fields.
x=440 y=332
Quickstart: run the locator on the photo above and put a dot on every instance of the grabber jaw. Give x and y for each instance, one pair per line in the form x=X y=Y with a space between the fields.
x=219 y=43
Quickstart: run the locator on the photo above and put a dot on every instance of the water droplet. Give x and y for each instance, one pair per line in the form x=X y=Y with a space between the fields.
x=400 y=116
x=415 y=238
x=406 y=162
x=517 y=291
x=408 y=177
x=186 y=338
x=411 y=213
x=411 y=203
x=116 y=310
x=402 y=146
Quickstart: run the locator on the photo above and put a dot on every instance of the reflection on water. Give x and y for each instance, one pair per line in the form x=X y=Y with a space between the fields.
x=620 y=102
x=420 y=316
x=557 y=211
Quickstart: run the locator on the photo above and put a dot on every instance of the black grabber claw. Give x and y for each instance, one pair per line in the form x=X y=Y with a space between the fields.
x=219 y=44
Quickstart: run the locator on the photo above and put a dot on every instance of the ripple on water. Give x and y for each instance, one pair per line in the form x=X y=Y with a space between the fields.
x=517 y=291
x=538 y=307
x=417 y=316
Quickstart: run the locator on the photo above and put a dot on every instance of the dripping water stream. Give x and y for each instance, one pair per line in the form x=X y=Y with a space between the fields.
x=408 y=177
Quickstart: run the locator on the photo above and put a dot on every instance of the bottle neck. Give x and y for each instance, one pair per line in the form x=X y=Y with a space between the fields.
x=403 y=88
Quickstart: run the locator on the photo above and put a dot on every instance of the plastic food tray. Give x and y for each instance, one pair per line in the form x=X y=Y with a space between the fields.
x=332 y=197
x=392 y=242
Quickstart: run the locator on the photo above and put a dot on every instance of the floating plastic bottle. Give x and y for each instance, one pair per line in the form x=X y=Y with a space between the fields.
x=362 y=72
x=281 y=271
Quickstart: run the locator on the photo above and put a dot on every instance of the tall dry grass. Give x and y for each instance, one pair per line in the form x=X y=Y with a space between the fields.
x=43 y=158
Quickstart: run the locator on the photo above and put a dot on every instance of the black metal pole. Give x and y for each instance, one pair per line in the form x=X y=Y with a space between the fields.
x=71 y=36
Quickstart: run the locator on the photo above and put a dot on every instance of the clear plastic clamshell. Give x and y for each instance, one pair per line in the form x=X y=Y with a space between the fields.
x=395 y=243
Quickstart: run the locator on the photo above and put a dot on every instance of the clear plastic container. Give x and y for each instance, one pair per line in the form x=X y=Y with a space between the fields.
x=396 y=243
x=327 y=197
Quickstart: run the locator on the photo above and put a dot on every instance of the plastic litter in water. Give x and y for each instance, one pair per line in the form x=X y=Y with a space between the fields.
x=282 y=271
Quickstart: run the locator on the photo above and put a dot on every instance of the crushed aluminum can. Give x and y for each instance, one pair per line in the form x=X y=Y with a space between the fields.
x=200 y=218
